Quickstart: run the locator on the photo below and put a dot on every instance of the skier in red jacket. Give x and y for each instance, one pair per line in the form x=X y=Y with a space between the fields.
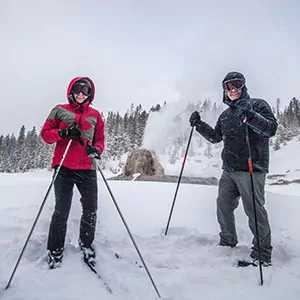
x=82 y=124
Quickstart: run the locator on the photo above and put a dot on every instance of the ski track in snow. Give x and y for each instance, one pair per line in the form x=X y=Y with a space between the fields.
x=186 y=264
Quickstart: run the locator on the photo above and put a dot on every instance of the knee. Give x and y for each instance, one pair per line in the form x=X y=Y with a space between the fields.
x=89 y=214
x=60 y=216
x=227 y=204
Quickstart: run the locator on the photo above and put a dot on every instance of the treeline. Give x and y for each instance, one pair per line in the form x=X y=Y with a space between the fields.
x=25 y=152
x=124 y=133
x=289 y=123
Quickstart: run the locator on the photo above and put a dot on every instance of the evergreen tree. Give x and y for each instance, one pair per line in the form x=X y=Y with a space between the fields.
x=174 y=155
x=277 y=112
x=32 y=151
x=156 y=107
x=20 y=154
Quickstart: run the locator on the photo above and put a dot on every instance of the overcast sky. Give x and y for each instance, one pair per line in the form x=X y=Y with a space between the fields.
x=143 y=51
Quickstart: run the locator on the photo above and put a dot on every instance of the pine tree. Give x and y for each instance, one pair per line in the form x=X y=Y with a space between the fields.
x=157 y=107
x=174 y=156
x=1 y=150
x=132 y=132
x=20 y=153
x=277 y=108
x=9 y=146
x=31 y=142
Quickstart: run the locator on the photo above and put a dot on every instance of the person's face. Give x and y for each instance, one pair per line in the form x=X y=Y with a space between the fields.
x=234 y=93
x=81 y=92
x=80 y=98
x=234 y=88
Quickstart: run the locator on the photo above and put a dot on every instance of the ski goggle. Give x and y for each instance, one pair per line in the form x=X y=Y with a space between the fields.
x=81 y=87
x=233 y=83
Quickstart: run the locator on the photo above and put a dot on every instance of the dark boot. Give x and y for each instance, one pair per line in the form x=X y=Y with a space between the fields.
x=55 y=258
x=88 y=254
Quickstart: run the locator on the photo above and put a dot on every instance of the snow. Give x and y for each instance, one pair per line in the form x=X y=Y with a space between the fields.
x=285 y=161
x=186 y=264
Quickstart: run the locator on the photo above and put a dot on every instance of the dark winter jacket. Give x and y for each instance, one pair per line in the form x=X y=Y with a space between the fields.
x=89 y=122
x=231 y=129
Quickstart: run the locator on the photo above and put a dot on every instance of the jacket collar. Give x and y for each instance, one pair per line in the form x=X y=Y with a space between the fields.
x=80 y=108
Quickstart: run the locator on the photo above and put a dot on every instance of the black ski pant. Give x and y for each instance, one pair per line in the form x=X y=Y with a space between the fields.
x=86 y=183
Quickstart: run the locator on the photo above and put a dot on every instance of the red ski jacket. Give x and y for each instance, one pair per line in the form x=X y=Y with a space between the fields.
x=89 y=122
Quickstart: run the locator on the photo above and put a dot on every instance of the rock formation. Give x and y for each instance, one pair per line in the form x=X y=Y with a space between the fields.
x=144 y=162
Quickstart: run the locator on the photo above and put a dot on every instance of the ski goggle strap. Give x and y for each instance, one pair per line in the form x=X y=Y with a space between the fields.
x=81 y=87
x=236 y=83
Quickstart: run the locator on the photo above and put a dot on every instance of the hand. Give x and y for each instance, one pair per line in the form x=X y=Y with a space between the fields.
x=93 y=152
x=73 y=133
x=195 y=119
x=245 y=109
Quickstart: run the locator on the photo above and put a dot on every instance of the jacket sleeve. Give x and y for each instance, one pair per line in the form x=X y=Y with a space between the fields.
x=263 y=121
x=49 y=132
x=98 y=140
x=212 y=135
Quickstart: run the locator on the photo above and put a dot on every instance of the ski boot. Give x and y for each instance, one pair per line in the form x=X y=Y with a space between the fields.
x=253 y=262
x=55 y=258
x=89 y=255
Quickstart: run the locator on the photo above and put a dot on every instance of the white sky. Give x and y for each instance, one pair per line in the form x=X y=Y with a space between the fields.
x=143 y=52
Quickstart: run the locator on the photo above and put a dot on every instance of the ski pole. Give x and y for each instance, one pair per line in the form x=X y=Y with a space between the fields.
x=179 y=179
x=250 y=165
x=38 y=215
x=128 y=230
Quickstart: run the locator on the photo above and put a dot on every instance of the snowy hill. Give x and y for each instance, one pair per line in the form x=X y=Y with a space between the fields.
x=285 y=162
x=186 y=264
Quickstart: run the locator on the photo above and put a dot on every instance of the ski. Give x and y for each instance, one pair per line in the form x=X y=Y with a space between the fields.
x=136 y=262
x=105 y=284
x=246 y=263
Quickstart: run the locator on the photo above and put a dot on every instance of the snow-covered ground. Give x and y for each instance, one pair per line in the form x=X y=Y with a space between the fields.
x=185 y=264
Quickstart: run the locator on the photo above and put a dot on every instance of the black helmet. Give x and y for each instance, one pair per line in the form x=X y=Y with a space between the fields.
x=234 y=75
x=84 y=81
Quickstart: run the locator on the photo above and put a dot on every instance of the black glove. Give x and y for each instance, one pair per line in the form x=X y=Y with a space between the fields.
x=244 y=109
x=93 y=152
x=195 y=119
x=73 y=133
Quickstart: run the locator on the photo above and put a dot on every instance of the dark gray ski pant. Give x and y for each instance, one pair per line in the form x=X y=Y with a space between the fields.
x=232 y=187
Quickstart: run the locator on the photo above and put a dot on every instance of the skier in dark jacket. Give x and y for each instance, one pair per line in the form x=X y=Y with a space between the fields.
x=235 y=181
x=79 y=122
